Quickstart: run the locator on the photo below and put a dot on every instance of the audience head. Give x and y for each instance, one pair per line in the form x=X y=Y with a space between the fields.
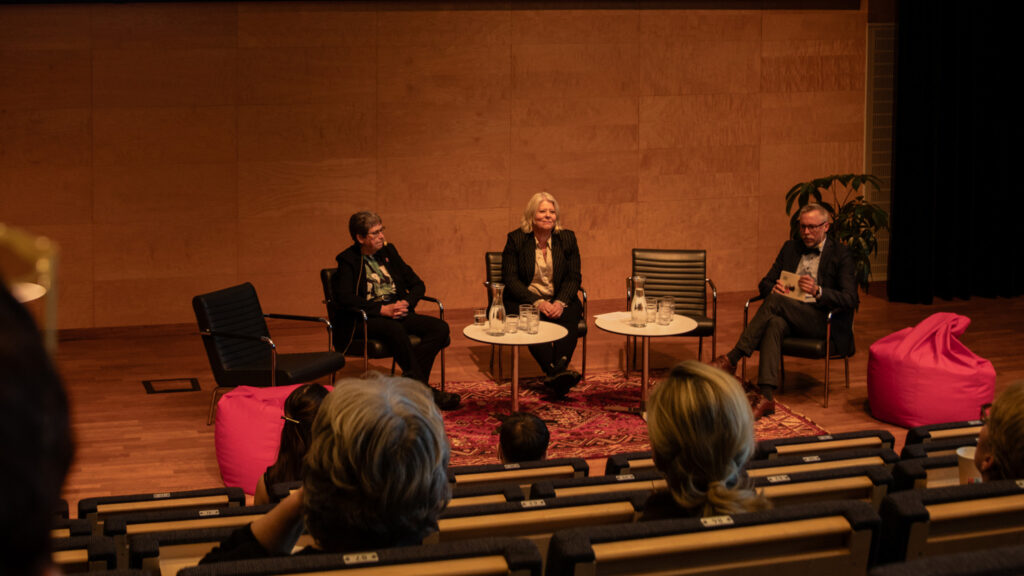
x=376 y=473
x=1000 y=453
x=36 y=438
x=300 y=409
x=359 y=224
x=531 y=208
x=702 y=434
x=524 y=437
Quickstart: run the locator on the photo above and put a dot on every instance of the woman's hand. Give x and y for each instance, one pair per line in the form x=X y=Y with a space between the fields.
x=396 y=310
x=551 y=310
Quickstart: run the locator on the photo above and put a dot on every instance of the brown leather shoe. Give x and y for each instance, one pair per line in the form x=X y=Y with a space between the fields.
x=764 y=408
x=750 y=388
x=722 y=363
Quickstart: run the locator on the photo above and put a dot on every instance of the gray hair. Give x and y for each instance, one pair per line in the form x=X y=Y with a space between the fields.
x=376 y=473
x=813 y=207
x=361 y=222
x=531 y=208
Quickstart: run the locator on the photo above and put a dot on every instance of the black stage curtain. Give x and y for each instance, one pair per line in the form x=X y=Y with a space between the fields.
x=957 y=119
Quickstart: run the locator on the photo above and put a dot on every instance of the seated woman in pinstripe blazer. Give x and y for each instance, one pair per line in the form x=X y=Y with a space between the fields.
x=541 y=266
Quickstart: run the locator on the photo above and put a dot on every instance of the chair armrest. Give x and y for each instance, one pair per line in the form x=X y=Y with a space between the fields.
x=355 y=310
x=584 y=293
x=220 y=334
x=297 y=317
x=746 y=307
x=714 y=297
x=440 y=306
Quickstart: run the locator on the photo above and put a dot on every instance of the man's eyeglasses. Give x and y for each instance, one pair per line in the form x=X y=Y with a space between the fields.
x=985 y=409
x=376 y=232
x=812 y=226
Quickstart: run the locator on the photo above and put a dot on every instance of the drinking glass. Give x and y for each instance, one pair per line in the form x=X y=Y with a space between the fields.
x=534 y=323
x=511 y=324
x=666 y=308
x=479 y=317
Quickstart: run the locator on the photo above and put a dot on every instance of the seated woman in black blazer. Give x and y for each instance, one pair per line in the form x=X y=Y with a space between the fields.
x=541 y=266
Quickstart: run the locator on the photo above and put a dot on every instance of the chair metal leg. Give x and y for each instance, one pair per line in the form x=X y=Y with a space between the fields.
x=782 y=373
x=442 y=370
x=217 y=393
x=846 y=361
x=583 y=372
x=828 y=357
x=700 y=349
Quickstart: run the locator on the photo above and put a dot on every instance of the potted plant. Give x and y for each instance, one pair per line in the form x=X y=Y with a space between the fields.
x=856 y=222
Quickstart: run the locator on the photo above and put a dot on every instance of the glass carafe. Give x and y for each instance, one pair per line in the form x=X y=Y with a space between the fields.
x=638 y=304
x=496 y=314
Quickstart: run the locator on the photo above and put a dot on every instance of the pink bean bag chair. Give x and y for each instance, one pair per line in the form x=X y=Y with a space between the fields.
x=248 y=433
x=925 y=375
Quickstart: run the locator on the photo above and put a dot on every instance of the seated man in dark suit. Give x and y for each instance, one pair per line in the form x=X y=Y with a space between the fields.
x=826 y=275
x=373 y=277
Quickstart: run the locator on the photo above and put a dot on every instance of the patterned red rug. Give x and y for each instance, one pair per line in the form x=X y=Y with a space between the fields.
x=582 y=425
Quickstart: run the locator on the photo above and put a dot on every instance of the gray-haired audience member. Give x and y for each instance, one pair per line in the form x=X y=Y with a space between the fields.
x=523 y=438
x=1000 y=453
x=702 y=434
x=36 y=438
x=375 y=475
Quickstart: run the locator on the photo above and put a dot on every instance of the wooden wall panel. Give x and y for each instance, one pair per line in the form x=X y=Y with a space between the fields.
x=59 y=195
x=160 y=25
x=165 y=193
x=76 y=285
x=44 y=79
x=181 y=147
x=178 y=135
x=164 y=77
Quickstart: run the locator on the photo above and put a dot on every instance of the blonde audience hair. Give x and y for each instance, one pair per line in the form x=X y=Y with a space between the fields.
x=376 y=472
x=1006 y=433
x=702 y=434
x=531 y=208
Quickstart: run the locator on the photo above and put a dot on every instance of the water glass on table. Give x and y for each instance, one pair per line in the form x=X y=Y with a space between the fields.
x=480 y=317
x=524 y=317
x=666 y=309
x=511 y=324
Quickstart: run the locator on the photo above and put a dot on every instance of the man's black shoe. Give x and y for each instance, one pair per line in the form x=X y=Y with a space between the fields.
x=561 y=383
x=446 y=400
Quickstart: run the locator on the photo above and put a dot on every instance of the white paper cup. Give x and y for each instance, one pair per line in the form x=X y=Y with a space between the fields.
x=968 y=471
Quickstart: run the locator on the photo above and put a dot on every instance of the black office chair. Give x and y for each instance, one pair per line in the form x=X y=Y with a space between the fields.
x=241 y=353
x=681 y=274
x=810 y=348
x=493 y=273
x=361 y=344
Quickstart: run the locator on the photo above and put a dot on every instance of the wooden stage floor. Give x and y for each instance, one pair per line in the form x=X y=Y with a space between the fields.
x=129 y=441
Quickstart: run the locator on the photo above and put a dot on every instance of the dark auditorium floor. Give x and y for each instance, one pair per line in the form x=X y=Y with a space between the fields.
x=133 y=442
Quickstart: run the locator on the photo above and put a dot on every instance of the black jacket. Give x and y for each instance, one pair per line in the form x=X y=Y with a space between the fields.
x=836 y=276
x=348 y=288
x=519 y=260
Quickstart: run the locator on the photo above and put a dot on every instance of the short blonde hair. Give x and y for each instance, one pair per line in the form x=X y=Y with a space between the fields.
x=702 y=434
x=376 y=473
x=531 y=208
x=1006 y=433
